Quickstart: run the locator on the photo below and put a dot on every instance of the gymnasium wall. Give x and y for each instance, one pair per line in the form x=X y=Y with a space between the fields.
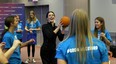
x=105 y=9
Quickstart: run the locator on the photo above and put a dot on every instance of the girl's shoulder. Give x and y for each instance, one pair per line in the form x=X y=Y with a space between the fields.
x=7 y=34
x=98 y=43
x=67 y=42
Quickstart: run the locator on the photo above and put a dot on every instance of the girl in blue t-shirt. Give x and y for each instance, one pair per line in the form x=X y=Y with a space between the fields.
x=80 y=47
x=19 y=29
x=32 y=26
x=100 y=31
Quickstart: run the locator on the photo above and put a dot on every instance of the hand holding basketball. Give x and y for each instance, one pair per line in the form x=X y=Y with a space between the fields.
x=65 y=21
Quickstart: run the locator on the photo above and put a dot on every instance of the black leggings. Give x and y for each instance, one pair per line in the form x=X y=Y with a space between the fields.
x=48 y=55
x=33 y=50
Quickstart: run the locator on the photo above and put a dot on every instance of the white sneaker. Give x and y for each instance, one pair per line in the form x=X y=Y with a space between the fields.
x=27 y=60
x=33 y=60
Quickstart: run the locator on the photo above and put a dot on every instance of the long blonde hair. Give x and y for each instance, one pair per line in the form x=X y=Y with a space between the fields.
x=80 y=27
x=32 y=19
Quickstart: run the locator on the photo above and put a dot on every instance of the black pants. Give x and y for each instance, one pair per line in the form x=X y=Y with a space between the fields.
x=48 y=55
x=33 y=49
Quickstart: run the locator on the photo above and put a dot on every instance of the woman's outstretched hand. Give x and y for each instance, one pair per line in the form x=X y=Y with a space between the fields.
x=2 y=44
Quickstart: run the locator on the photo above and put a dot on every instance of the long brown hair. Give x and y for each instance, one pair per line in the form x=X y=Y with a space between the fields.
x=102 y=27
x=32 y=19
x=80 y=27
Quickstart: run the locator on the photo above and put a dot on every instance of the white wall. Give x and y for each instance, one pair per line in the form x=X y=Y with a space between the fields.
x=105 y=9
x=71 y=5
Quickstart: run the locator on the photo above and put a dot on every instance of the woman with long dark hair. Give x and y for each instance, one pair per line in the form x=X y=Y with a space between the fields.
x=50 y=33
x=100 y=31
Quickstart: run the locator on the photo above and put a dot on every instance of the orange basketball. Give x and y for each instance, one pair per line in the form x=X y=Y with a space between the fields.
x=65 y=21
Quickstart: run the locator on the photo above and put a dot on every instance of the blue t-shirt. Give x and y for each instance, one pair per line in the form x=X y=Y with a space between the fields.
x=67 y=51
x=107 y=35
x=19 y=27
x=8 y=38
x=33 y=25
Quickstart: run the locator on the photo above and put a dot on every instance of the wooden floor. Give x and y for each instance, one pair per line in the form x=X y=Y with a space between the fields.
x=24 y=55
x=38 y=58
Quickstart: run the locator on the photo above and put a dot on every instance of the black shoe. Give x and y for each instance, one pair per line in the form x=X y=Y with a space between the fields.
x=22 y=63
